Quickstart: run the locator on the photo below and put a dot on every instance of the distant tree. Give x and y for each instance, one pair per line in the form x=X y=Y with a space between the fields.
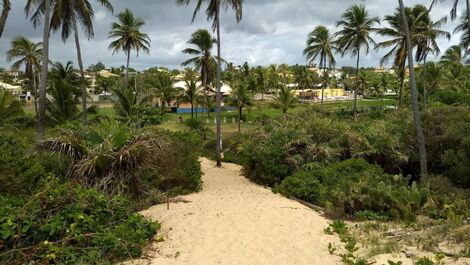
x=454 y=54
x=164 y=89
x=127 y=37
x=240 y=99
x=356 y=27
x=63 y=102
x=192 y=90
x=321 y=45
x=27 y=53
x=285 y=99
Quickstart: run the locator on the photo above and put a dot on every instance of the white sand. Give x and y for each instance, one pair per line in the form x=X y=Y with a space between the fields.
x=233 y=221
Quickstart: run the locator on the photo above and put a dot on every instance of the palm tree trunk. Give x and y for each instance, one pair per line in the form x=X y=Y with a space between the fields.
x=414 y=96
x=239 y=119
x=192 y=111
x=218 y=95
x=357 y=79
x=424 y=85
x=3 y=17
x=44 y=70
x=34 y=90
x=82 y=72
x=402 y=83
x=468 y=13
x=126 y=76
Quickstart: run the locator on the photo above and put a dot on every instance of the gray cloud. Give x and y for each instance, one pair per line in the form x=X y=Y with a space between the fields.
x=272 y=31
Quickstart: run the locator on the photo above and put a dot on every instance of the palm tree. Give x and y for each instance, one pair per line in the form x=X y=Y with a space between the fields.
x=285 y=99
x=320 y=45
x=108 y=155
x=65 y=72
x=463 y=28
x=3 y=17
x=192 y=90
x=414 y=96
x=46 y=7
x=10 y=107
x=203 y=59
x=164 y=89
x=427 y=43
x=128 y=37
x=356 y=27
x=415 y=16
x=453 y=11
x=24 y=52
x=240 y=98
x=68 y=15
x=453 y=54
x=213 y=13
x=63 y=102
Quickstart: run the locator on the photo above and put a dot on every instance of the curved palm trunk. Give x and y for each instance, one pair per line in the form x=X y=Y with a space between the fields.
x=82 y=72
x=3 y=17
x=414 y=97
x=357 y=79
x=218 y=95
x=44 y=69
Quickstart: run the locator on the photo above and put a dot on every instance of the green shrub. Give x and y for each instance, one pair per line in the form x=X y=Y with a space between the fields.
x=68 y=224
x=301 y=185
x=21 y=168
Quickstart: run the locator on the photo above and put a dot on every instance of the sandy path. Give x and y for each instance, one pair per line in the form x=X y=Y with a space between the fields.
x=233 y=221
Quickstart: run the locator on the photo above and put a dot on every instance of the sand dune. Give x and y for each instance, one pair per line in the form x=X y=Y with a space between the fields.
x=233 y=221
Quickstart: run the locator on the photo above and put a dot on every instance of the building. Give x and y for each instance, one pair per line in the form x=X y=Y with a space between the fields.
x=14 y=90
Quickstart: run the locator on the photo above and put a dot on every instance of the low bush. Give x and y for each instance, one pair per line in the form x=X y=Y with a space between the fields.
x=356 y=188
x=64 y=223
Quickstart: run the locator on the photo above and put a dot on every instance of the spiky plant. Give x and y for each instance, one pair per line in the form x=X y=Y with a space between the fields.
x=107 y=155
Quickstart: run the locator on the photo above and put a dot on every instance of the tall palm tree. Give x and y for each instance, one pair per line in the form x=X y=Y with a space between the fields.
x=356 y=26
x=27 y=53
x=203 y=59
x=320 y=45
x=191 y=92
x=46 y=7
x=213 y=13
x=414 y=96
x=68 y=15
x=4 y=15
x=240 y=98
x=423 y=33
x=128 y=37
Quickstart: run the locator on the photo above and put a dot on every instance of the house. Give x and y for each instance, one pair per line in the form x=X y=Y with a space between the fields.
x=14 y=90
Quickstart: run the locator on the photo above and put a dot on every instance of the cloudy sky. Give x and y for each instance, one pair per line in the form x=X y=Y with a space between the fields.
x=271 y=32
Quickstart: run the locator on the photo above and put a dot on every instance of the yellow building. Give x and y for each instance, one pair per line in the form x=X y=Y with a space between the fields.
x=328 y=92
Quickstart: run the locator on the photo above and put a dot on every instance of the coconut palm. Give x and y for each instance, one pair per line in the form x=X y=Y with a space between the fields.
x=65 y=72
x=463 y=28
x=10 y=107
x=164 y=89
x=454 y=10
x=108 y=155
x=454 y=54
x=418 y=19
x=192 y=90
x=27 y=53
x=285 y=99
x=203 y=59
x=127 y=37
x=213 y=13
x=63 y=103
x=4 y=16
x=356 y=26
x=320 y=45
x=45 y=8
x=126 y=99
x=414 y=96
x=68 y=15
x=240 y=99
